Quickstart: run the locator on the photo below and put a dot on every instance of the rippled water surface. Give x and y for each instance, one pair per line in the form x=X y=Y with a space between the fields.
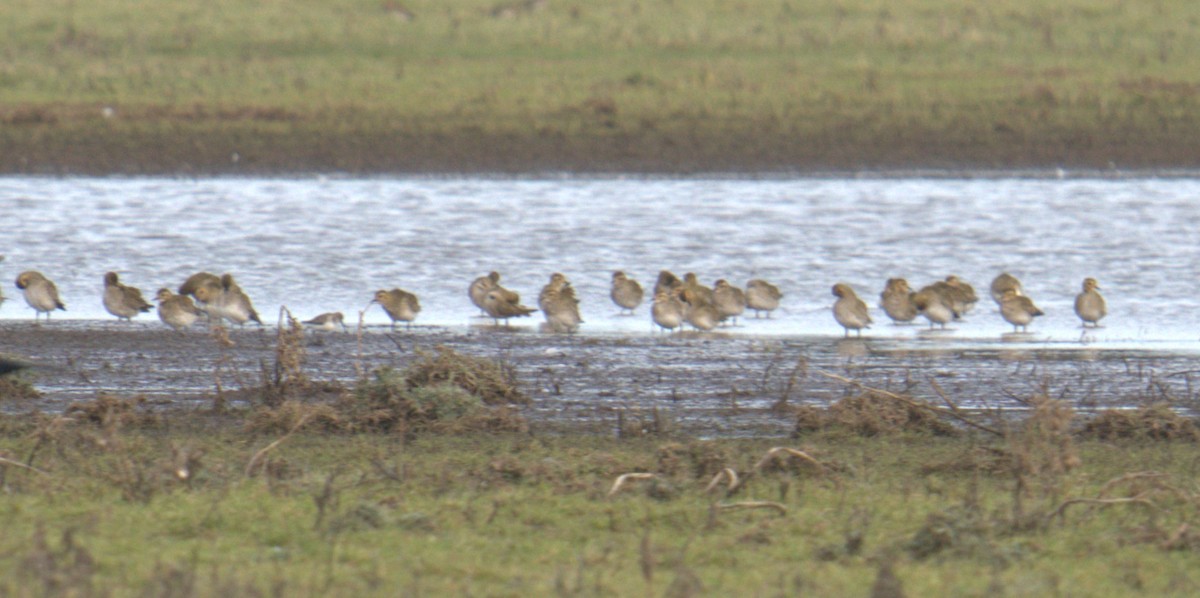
x=320 y=244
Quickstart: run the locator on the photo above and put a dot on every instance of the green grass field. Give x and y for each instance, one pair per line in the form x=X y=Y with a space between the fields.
x=182 y=510
x=431 y=481
x=991 y=78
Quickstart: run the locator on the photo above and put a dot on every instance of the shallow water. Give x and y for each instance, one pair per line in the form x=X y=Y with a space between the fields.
x=325 y=244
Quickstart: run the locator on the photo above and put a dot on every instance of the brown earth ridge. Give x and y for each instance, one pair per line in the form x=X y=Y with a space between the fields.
x=273 y=145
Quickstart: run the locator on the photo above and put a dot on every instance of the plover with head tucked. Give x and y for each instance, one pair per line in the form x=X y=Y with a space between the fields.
x=932 y=303
x=850 y=311
x=121 y=300
x=40 y=293
x=559 y=305
x=1089 y=304
x=1004 y=282
x=197 y=280
x=626 y=292
x=667 y=310
x=1018 y=310
x=479 y=289
x=327 y=321
x=667 y=281
x=729 y=300
x=502 y=304
x=897 y=301
x=694 y=293
x=762 y=296
x=699 y=312
x=236 y=303
x=960 y=294
x=400 y=305
x=176 y=311
x=225 y=299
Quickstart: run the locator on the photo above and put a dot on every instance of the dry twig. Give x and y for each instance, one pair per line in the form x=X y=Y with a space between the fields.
x=771 y=454
x=753 y=504
x=259 y=455
x=727 y=474
x=617 y=485
x=4 y=461
x=1061 y=511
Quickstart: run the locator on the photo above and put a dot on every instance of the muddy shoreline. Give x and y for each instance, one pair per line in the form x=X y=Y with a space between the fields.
x=707 y=385
x=747 y=148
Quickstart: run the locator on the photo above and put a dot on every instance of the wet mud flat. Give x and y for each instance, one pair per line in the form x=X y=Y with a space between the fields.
x=721 y=384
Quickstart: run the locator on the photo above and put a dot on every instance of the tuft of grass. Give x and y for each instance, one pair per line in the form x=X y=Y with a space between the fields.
x=17 y=388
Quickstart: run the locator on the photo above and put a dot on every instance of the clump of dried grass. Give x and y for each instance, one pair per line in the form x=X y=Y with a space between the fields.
x=699 y=459
x=321 y=417
x=493 y=382
x=1154 y=422
x=113 y=411
x=444 y=392
x=17 y=388
x=873 y=414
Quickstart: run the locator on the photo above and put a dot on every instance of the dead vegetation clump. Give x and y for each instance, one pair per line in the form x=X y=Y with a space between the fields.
x=873 y=414
x=17 y=388
x=493 y=382
x=698 y=460
x=113 y=411
x=444 y=392
x=321 y=417
x=286 y=379
x=1154 y=422
x=957 y=531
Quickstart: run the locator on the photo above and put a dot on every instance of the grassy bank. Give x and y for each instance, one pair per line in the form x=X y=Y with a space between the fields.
x=190 y=505
x=430 y=480
x=136 y=86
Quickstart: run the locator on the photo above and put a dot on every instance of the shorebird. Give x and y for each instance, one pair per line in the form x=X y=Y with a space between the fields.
x=626 y=292
x=694 y=293
x=479 y=289
x=225 y=299
x=729 y=300
x=849 y=310
x=667 y=310
x=121 y=300
x=502 y=304
x=1003 y=282
x=197 y=280
x=699 y=312
x=1089 y=304
x=762 y=296
x=559 y=305
x=932 y=303
x=666 y=282
x=236 y=303
x=400 y=305
x=176 y=311
x=897 y=301
x=1018 y=310
x=328 y=321
x=961 y=294
x=40 y=293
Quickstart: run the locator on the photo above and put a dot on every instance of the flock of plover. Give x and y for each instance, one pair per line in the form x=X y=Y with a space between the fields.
x=675 y=302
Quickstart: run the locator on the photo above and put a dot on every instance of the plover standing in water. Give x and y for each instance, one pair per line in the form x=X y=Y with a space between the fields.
x=176 y=311
x=762 y=296
x=626 y=292
x=40 y=293
x=1089 y=304
x=850 y=311
x=121 y=300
